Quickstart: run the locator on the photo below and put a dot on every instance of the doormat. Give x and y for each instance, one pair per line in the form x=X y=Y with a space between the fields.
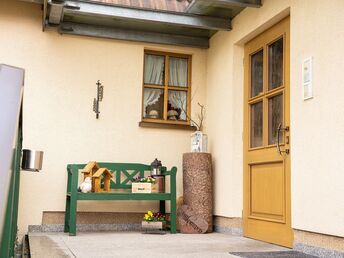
x=282 y=254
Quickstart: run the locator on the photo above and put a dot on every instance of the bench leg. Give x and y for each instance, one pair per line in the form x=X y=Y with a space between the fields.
x=73 y=203
x=173 y=182
x=67 y=215
x=173 y=216
x=162 y=207
x=72 y=217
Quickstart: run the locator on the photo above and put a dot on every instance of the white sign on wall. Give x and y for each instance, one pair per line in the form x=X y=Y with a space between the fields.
x=307 y=82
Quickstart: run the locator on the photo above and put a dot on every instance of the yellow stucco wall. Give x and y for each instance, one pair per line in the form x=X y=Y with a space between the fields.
x=317 y=29
x=61 y=72
x=318 y=124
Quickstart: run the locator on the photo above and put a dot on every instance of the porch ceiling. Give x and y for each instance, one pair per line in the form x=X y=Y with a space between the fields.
x=190 y=25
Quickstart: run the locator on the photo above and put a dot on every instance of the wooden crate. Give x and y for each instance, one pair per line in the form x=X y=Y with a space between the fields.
x=144 y=188
x=153 y=225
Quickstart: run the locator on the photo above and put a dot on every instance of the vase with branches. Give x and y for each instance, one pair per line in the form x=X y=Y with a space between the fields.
x=200 y=117
x=199 y=140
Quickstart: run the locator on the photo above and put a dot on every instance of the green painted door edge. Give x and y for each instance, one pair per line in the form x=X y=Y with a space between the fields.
x=9 y=234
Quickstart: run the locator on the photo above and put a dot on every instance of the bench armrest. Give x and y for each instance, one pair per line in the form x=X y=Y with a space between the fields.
x=73 y=177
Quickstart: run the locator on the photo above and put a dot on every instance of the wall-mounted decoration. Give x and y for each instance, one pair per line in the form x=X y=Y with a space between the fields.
x=100 y=93
x=307 y=80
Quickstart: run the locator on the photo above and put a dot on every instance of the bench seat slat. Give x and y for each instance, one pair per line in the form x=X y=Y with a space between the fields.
x=124 y=196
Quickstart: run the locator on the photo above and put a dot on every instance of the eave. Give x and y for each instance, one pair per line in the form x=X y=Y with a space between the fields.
x=137 y=24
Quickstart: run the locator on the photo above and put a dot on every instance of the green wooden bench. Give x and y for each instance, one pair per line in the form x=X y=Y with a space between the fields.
x=123 y=175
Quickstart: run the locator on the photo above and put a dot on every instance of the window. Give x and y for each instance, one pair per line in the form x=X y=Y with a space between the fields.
x=166 y=88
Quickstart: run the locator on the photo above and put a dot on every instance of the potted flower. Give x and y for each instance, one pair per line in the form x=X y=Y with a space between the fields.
x=144 y=185
x=155 y=221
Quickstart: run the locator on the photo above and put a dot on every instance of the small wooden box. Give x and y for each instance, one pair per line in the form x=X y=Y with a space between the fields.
x=144 y=188
x=153 y=225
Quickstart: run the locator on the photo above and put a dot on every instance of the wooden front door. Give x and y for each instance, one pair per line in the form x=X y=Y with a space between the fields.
x=267 y=215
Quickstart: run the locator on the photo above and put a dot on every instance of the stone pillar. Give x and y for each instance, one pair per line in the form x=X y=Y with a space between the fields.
x=198 y=185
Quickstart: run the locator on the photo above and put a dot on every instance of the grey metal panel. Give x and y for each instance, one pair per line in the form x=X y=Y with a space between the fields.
x=137 y=26
x=11 y=85
x=241 y=3
x=221 y=8
x=224 y=3
x=33 y=1
x=143 y=15
x=45 y=12
x=132 y=35
x=55 y=14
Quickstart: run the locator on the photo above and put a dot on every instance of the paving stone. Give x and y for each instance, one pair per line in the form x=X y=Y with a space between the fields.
x=136 y=244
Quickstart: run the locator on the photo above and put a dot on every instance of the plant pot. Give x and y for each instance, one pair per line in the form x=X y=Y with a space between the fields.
x=144 y=188
x=153 y=225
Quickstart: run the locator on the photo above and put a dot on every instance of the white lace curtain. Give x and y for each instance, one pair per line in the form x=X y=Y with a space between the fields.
x=154 y=74
x=177 y=100
x=178 y=76
x=151 y=96
x=178 y=72
x=154 y=69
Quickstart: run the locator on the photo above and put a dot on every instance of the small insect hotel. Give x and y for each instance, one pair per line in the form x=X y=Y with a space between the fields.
x=97 y=174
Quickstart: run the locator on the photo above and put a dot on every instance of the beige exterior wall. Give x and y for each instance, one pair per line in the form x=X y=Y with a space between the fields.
x=61 y=72
x=317 y=29
x=318 y=124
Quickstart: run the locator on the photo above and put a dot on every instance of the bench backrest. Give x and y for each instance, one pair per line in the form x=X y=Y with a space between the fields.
x=123 y=173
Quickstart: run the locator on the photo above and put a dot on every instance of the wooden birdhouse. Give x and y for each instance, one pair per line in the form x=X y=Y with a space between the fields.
x=96 y=180
x=90 y=169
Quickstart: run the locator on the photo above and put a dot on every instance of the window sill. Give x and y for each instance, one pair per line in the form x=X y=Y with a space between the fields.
x=167 y=126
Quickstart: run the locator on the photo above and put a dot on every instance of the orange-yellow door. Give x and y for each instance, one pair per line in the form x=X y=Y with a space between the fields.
x=267 y=214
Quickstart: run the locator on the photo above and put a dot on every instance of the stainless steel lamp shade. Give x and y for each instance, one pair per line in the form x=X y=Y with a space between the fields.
x=32 y=160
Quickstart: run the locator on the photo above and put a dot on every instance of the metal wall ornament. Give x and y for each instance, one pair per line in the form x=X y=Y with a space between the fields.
x=100 y=94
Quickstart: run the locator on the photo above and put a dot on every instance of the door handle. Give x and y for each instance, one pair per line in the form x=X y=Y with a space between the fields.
x=279 y=129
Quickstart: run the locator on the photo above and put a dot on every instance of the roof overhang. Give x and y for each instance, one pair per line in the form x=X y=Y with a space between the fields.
x=191 y=28
x=221 y=8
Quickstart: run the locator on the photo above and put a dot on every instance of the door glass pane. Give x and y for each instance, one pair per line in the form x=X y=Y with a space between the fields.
x=256 y=127
x=177 y=101
x=154 y=69
x=178 y=72
x=257 y=73
x=275 y=118
x=276 y=64
x=153 y=103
